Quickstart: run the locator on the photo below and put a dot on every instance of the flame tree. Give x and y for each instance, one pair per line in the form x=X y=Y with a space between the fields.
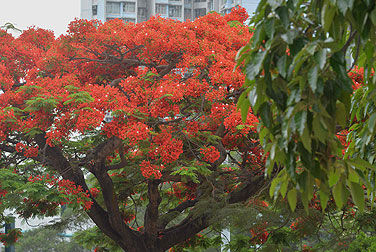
x=128 y=120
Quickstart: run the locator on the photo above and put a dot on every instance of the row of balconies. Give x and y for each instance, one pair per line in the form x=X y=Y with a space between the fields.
x=137 y=10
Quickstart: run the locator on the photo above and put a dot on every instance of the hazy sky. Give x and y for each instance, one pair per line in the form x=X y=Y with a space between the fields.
x=48 y=14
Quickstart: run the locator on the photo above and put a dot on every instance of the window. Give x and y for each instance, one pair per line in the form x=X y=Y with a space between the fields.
x=129 y=20
x=161 y=9
x=187 y=13
x=94 y=10
x=141 y=12
x=129 y=7
x=210 y=5
x=199 y=1
x=112 y=8
x=187 y=1
x=174 y=11
x=200 y=12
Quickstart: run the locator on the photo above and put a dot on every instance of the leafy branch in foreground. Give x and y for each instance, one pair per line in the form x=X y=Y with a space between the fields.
x=297 y=66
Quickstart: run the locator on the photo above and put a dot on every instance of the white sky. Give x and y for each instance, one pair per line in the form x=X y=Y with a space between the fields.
x=48 y=14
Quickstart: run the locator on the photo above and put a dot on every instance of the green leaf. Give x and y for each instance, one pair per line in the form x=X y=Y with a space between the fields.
x=269 y=27
x=373 y=16
x=327 y=15
x=357 y=194
x=361 y=164
x=318 y=129
x=283 y=14
x=263 y=132
x=306 y=139
x=292 y=198
x=273 y=188
x=312 y=77
x=320 y=58
x=258 y=36
x=266 y=114
x=353 y=176
x=371 y=123
x=281 y=66
x=289 y=36
x=324 y=198
x=301 y=121
x=340 y=194
x=244 y=109
x=341 y=114
x=284 y=186
x=337 y=194
x=333 y=177
x=344 y=5
x=254 y=67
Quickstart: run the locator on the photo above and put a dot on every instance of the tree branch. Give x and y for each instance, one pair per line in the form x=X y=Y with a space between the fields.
x=56 y=158
x=173 y=213
x=151 y=214
x=193 y=225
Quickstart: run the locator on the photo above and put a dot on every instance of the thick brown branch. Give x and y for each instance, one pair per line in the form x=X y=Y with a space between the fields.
x=122 y=158
x=57 y=160
x=130 y=239
x=103 y=150
x=163 y=70
x=188 y=227
x=252 y=187
x=220 y=132
x=191 y=226
x=7 y=148
x=173 y=213
x=151 y=214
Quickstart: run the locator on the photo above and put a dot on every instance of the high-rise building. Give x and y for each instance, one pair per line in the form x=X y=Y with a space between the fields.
x=249 y=5
x=141 y=10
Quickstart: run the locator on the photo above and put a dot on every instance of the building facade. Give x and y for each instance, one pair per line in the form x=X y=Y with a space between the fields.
x=141 y=10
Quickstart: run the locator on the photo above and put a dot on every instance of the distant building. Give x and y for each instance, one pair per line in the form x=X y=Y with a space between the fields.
x=141 y=10
x=249 y=5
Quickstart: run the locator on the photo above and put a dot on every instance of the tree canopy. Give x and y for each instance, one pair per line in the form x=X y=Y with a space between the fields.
x=134 y=123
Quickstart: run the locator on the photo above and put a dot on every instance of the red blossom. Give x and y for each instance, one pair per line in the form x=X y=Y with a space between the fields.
x=149 y=170
x=210 y=154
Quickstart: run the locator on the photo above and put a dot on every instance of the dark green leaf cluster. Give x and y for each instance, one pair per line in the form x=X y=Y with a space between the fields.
x=297 y=67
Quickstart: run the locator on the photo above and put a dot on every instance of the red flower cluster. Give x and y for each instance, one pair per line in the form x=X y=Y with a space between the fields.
x=94 y=192
x=11 y=237
x=26 y=150
x=259 y=234
x=68 y=188
x=184 y=191
x=210 y=154
x=72 y=194
x=237 y=14
x=149 y=170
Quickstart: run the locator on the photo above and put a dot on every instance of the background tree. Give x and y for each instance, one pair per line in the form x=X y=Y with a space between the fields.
x=47 y=239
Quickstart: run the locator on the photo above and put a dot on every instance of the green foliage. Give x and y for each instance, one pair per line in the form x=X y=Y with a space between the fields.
x=362 y=243
x=45 y=240
x=93 y=238
x=41 y=103
x=298 y=84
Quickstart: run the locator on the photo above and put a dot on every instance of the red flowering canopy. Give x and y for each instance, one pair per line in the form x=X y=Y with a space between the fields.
x=116 y=117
